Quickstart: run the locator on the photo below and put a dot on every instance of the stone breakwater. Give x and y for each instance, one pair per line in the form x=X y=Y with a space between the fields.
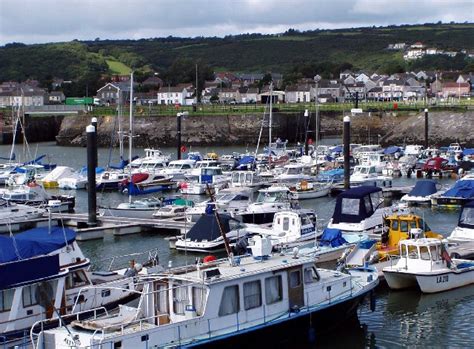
x=158 y=131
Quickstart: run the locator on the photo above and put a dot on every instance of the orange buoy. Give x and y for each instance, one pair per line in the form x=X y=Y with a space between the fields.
x=209 y=259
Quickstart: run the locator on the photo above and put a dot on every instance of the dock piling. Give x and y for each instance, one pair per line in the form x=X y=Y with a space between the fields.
x=347 y=140
x=91 y=190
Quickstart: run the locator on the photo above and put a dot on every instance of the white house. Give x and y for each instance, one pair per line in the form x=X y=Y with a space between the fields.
x=172 y=95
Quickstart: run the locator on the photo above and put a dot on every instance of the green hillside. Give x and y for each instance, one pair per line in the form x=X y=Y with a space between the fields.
x=292 y=53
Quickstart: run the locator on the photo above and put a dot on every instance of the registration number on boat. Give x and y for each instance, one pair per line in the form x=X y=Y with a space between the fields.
x=442 y=278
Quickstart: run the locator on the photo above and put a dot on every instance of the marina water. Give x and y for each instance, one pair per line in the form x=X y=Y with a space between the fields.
x=401 y=318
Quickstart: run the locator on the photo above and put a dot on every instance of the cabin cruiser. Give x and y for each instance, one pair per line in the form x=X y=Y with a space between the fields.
x=111 y=180
x=414 y=150
x=209 y=178
x=152 y=166
x=363 y=173
x=232 y=201
x=288 y=229
x=224 y=302
x=421 y=192
x=178 y=169
x=143 y=208
x=150 y=155
x=425 y=263
x=34 y=194
x=269 y=201
x=374 y=159
x=42 y=275
x=23 y=174
x=248 y=179
x=207 y=234
x=11 y=213
x=359 y=209
x=294 y=173
x=196 y=171
x=464 y=231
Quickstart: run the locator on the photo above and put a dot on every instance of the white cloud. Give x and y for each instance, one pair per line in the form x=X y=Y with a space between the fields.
x=35 y=21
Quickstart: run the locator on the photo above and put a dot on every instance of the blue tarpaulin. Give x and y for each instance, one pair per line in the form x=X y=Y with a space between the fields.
x=34 y=242
x=391 y=150
x=247 y=159
x=468 y=151
x=424 y=188
x=461 y=189
x=332 y=237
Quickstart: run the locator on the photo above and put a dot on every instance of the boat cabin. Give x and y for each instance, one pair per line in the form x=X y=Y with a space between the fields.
x=420 y=254
x=246 y=179
x=273 y=194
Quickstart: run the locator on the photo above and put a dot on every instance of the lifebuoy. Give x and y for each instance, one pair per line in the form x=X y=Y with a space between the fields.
x=183 y=149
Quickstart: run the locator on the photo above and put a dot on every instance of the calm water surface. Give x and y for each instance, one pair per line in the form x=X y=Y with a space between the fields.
x=401 y=319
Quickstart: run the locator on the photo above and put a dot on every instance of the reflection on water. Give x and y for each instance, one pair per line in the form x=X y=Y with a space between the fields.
x=401 y=319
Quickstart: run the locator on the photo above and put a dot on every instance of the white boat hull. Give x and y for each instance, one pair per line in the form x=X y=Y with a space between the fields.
x=311 y=194
x=431 y=283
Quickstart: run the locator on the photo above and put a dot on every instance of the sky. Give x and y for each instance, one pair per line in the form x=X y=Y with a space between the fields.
x=40 y=21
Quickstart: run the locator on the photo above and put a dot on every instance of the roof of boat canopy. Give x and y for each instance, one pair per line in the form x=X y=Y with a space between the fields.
x=207 y=227
x=462 y=188
x=34 y=242
x=354 y=213
x=424 y=187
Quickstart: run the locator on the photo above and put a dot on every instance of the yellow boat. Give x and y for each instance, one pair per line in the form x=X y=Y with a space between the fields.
x=401 y=227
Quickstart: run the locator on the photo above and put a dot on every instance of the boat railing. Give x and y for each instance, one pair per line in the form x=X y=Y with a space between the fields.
x=35 y=335
x=145 y=257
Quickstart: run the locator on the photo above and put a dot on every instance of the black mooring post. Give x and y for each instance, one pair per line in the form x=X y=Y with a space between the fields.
x=347 y=140
x=306 y=124
x=94 y=123
x=426 y=129
x=91 y=189
x=178 y=135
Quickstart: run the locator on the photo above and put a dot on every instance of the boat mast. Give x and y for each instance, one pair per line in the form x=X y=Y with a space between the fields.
x=130 y=140
x=270 y=117
x=120 y=131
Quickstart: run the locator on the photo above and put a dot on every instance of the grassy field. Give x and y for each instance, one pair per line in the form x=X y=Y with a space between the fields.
x=117 y=67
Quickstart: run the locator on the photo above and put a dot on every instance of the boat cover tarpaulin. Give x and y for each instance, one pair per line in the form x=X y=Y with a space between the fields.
x=207 y=227
x=461 y=189
x=424 y=188
x=332 y=237
x=354 y=210
x=34 y=242
x=246 y=160
x=391 y=150
x=28 y=270
x=468 y=151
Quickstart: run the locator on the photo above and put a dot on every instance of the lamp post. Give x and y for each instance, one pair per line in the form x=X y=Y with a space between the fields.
x=178 y=132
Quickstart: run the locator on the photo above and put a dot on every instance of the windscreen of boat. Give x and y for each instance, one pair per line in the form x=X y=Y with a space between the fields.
x=276 y=196
x=466 y=219
x=293 y=170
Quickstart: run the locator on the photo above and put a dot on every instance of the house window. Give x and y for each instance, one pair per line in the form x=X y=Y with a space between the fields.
x=273 y=289
x=29 y=295
x=252 y=295
x=230 y=301
x=6 y=299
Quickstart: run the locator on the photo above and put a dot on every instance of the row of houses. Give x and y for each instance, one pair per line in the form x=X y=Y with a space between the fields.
x=419 y=50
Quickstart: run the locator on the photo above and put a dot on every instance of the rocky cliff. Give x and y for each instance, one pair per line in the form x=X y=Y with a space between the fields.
x=245 y=129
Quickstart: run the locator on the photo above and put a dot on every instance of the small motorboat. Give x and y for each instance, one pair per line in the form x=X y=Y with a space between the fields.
x=421 y=193
x=464 y=231
x=310 y=190
x=143 y=208
x=425 y=263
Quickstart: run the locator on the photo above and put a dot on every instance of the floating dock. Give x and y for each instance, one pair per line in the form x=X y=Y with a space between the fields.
x=118 y=225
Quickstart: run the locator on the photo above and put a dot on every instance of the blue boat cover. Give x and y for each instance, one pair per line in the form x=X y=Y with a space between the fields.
x=336 y=149
x=207 y=227
x=391 y=150
x=34 y=242
x=247 y=159
x=358 y=209
x=424 y=187
x=461 y=189
x=468 y=151
x=332 y=237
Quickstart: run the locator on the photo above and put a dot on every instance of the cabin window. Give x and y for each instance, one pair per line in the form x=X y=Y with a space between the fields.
x=368 y=204
x=252 y=295
x=310 y=275
x=76 y=279
x=230 y=301
x=350 y=206
x=29 y=295
x=413 y=225
x=424 y=253
x=286 y=223
x=273 y=289
x=404 y=226
x=395 y=224
x=424 y=226
x=467 y=216
x=6 y=299
x=199 y=295
x=295 y=278
x=180 y=299
x=413 y=254
x=376 y=198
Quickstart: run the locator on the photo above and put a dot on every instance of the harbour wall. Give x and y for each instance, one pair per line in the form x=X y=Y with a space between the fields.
x=244 y=129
